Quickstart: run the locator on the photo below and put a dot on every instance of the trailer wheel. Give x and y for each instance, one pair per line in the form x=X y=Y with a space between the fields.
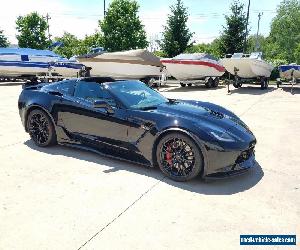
x=278 y=84
x=209 y=83
x=263 y=83
x=237 y=82
x=266 y=83
x=216 y=82
x=182 y=84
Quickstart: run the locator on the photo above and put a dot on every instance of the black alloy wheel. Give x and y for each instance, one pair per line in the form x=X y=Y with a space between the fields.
x=178 y=157
x=41 y=129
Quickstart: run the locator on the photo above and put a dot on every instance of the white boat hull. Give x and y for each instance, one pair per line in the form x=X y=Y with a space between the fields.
x=191 y=71
x=119 y=70
x=12 y=64
x=17 y=69
x=67 y=69
x=247 y=67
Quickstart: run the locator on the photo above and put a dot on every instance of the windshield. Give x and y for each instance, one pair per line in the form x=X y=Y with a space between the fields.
x=136 y=95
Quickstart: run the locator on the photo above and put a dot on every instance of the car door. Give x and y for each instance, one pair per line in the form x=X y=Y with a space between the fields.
x=95 y=125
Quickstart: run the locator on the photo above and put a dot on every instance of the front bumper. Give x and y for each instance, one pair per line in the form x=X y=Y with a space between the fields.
x=233 y=170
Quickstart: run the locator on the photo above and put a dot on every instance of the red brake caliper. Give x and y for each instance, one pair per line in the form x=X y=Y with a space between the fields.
x=169 y=155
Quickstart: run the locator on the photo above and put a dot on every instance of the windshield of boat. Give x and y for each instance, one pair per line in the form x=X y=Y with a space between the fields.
x=136 y=95
x=256 y=55
x=237 y=55
x=195 y=56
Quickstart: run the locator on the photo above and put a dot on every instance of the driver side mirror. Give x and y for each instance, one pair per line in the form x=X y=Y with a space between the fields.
x=104 y=105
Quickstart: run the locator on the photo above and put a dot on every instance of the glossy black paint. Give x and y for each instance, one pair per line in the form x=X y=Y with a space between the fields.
x=134 y=134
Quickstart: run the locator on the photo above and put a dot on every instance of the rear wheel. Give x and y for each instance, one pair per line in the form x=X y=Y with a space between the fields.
x=40 y=128
x=182 y=84
x=178 y=157
x=237 y=82
x=190 y=84
x=216 y=82
x=264 y=83
x=209 y=83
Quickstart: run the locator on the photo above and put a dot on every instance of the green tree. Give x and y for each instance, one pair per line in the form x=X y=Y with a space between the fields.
x=176 y=36
x=92 y=41
x=285 y=31
x=297 y=54
x=232 y=38
x=122 y=28
x=3 y=40
x=32 y=31
x=251 y=43
x=212 y=48
x=70 y=45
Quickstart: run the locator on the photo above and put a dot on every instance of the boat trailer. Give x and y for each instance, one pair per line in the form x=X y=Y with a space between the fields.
x=237 y=81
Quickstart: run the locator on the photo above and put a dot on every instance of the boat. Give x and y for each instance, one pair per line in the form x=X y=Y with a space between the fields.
x=192 y=67
x=289 y=72
x=25 y=62
x=195 y=66
x=133 y=64
x=247 y=66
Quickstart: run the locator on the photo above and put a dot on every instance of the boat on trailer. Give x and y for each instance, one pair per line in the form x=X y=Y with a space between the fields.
x=289 y=72
x=247 y=68
x=188 y=68
x=31 y=63
x=133 y=64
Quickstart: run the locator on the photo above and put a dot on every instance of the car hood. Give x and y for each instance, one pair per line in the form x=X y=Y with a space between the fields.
x=207 y=117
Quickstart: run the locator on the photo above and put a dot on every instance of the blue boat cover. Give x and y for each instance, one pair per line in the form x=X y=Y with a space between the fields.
x=27 y=51
x=284 y=68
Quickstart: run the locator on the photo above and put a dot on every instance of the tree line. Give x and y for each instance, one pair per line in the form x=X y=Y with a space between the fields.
x=122 y=29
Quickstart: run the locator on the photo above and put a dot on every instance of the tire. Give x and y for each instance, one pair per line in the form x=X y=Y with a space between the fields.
x=237 y=83
x=209 y=83
x=182 y=84
x=190 y=84
x=171 y=160
x=216 y=82
x=40 y=128
x=266 y=83
x=263 y=83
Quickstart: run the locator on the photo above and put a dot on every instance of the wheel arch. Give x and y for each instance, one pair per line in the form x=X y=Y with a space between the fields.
x=185 y=132
x=37 y=107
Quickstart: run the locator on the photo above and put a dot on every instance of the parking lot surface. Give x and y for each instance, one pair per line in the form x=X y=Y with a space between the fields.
x=63 y=198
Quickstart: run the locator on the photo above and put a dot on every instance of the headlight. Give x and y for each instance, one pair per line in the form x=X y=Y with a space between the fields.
x=222 y=136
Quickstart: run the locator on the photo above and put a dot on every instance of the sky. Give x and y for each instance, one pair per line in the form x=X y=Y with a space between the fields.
x=81 y=17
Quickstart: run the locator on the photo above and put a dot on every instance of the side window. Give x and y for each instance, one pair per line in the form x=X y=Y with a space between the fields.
x=93 y=91
x=66 y=88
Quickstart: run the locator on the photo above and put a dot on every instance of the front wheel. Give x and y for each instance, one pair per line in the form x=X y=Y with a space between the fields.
x=41 y=129
x=178 y=157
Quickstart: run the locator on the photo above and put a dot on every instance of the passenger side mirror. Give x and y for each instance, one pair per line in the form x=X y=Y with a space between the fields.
x=103 y=105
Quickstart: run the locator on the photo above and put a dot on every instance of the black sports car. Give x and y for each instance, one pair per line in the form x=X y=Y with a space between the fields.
x=128 y=120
